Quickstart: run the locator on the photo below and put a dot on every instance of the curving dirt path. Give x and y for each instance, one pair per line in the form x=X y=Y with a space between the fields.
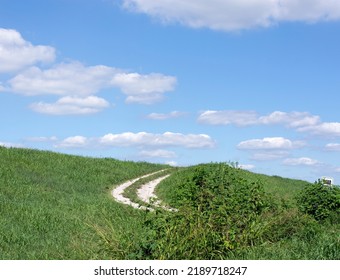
x=145 y=192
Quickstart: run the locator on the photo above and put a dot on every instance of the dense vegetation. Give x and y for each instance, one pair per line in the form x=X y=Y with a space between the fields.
x=55 y=206
x=226 y=213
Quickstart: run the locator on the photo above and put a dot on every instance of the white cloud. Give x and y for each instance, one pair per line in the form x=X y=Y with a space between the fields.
x=171 y=115
x=246 y=118
x=269 y=143
x=301 y=161
x=72 y=78
x=157 y=154
x=299 y=121
x=333 y=147
x=326 y=129
x=230 y=15
x=239 y=118
x=145 y=89
x=157 y=140
x=76 y=79
x=16 y=53
x=73 y=142
x=72 y=106
x=69 y=79
x=144 y=140
x=292 y=119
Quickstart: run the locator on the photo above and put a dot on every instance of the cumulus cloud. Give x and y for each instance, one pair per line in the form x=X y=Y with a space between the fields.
x=63 y=79
x=301 y=161
x=69 y=105
x=71 y=78
x=146 y=89
x=17 y=53
x=157 y=154
x=231 y=15
x=76 y=79
x=270 y=143
x=157 y=140
x=171 y=115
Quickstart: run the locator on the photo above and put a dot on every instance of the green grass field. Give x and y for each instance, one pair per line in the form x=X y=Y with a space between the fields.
x=55 y=206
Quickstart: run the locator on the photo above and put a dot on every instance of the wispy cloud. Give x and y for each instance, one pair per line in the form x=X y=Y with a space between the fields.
x=231 y=15
x=42 y=139
x=167 y=139
x=147 y=142
x=157 y=154
x=239 y=118
x=159 y=116
x=335 y=147
x=247 y=118
x=269 y=155
x=301 y=161
x=299 y=121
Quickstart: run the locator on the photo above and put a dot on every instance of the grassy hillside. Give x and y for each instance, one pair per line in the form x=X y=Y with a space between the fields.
x=55 y=206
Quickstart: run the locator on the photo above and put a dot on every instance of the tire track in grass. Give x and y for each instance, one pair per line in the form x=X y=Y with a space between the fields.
x=145 y=192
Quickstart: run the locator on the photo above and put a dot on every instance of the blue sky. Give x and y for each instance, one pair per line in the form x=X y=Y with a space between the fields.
x=180 y=82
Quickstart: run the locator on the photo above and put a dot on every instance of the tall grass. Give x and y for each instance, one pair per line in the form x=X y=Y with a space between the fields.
x=52 y=205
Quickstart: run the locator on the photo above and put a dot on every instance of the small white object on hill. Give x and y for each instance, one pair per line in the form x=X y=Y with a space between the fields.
x=327 y=181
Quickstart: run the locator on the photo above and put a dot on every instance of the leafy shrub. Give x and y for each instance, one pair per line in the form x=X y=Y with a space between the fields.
x=319 y=201
x=219 y=211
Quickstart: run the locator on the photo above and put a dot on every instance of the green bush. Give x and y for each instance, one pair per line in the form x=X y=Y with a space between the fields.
x=319 y=201
x=219 y=211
